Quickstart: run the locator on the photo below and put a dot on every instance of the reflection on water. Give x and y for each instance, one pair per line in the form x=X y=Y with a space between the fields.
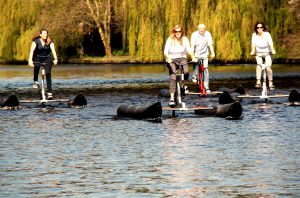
x=89 y=78
x=60 y=152
x=123 y=71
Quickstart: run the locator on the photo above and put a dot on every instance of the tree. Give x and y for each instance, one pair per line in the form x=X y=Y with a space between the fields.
x=100 y=11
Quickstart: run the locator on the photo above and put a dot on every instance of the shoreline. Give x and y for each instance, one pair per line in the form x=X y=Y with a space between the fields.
x=281 y=83
x=132 y=60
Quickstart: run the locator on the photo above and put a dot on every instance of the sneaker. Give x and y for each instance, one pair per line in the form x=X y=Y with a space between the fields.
x=49 y=96
x=35 y=85
x=194 y=79
x=185 y=87
x=172 y=103
x=207 y=91
x=271 y=87
x=257 y=86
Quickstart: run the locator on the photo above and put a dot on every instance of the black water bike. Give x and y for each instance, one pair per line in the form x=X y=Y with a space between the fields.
x=180 y=92
x=77 y=102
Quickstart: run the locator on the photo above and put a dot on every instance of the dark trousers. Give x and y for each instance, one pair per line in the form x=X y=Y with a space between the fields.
x=48 y=68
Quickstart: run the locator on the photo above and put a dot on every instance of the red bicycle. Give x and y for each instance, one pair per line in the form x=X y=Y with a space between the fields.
x=201 y=89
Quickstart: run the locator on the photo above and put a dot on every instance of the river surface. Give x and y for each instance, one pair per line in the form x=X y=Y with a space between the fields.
x=56 y=151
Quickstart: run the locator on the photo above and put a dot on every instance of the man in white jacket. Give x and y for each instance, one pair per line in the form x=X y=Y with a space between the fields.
x=201 y=41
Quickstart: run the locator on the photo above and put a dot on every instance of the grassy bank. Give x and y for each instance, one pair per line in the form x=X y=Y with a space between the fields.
x=134 y=60
x=130 y=59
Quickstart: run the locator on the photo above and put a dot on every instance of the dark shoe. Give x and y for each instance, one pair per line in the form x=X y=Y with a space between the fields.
x=172 y=103
x=272 y=87
x=49 y=96
x=257 y=86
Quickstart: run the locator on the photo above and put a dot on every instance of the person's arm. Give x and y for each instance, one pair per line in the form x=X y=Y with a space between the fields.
x=30 y=61
x=189 y=50
x=273 y=49
x=54 y=53
x=253 y=45
x=193 y=48
x=270 y=42
x=166 y=50
x=211 y=47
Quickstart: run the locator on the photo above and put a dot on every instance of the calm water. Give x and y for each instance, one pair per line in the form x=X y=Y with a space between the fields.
x=60 y=152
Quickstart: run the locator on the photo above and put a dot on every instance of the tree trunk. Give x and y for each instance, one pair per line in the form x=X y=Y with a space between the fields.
x=101 y=13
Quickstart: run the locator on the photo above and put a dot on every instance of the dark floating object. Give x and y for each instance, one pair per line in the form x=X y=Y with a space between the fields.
x=78 y=102
x=231 y=110
x=239 y=90
x=227 y=108
x=164 y=93
x=294 y=98
x=11 y=101
x=226 y=98
x=152 y=111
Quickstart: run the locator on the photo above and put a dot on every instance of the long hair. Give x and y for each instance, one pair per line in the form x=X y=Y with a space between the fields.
x=265 y=29
x=37 y=36
x=173 y=33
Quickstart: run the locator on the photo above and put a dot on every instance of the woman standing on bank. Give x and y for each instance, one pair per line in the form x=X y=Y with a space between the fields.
x=40 y=52
x=262 y=47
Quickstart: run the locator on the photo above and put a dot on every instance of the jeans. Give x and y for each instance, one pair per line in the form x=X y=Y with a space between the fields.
x=206 y=73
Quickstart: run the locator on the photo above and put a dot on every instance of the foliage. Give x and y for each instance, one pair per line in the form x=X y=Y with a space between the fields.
x=142 y=27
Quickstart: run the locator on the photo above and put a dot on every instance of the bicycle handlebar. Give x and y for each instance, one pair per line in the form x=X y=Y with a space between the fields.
x=255 y=54
x=177 y=64
x=42 y=63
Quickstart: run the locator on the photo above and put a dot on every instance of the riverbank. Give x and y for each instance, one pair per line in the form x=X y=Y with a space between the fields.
x=135 y=60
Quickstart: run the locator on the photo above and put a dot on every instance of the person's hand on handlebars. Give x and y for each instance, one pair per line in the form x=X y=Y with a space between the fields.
x=168 y=59
x=252 y=53
x=273 y=51
x=194 y=60
x=55 y=62
x=30 y=63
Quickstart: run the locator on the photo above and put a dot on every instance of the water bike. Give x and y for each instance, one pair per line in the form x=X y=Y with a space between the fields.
x=264 y=93
x=180 y=92
x=153 y=112
x=227 y=109
x=77 y=102
x=201 y=91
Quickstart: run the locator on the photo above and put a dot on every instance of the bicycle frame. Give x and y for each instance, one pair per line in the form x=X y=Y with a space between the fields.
x=42 y=88
x=264 y=93
x=43 y=92
x=201 y=69
x=179 y=79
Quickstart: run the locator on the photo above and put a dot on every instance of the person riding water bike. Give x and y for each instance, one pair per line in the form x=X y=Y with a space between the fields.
x=40 y=52
x=201 y=40
x=176 y=47
x=262 y=47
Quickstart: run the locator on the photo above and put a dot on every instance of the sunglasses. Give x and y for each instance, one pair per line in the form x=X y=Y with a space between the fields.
x=260 y=27
x=178 y=31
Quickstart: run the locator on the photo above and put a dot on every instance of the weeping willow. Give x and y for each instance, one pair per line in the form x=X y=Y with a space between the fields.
x=144 y=26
